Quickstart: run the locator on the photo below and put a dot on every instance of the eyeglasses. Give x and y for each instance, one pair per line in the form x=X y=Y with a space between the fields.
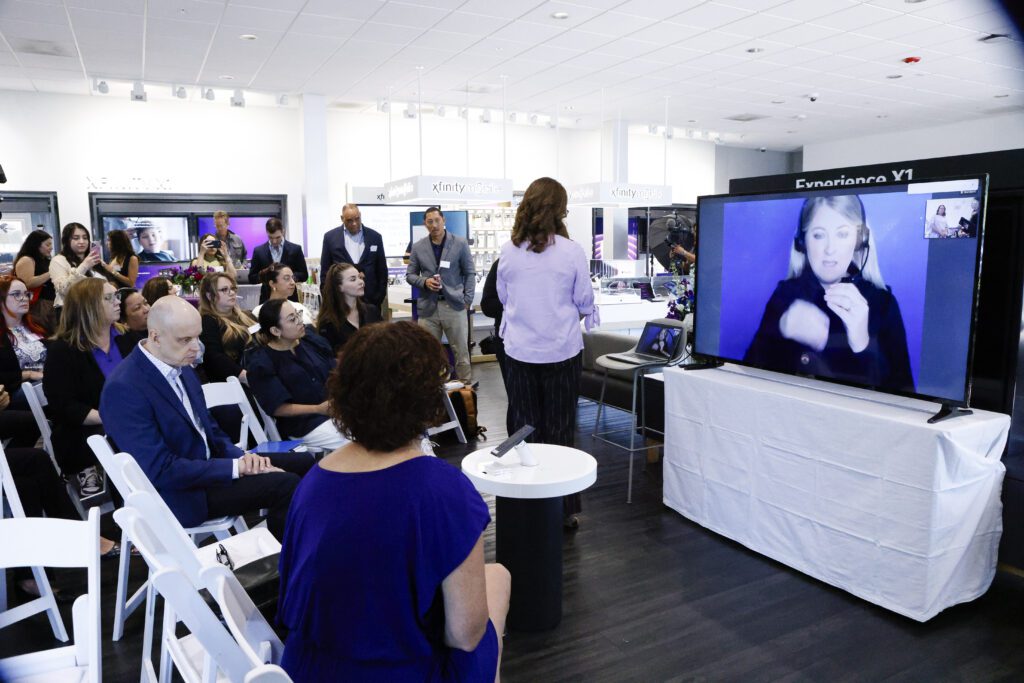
x=19 y=296
x=221 y=554
x=111 y=298
x=225 y=290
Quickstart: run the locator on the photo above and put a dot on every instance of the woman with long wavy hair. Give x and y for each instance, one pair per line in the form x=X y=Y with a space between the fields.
x=124 y=264
x=225 y=327
x=343 y=310
x=544 y=288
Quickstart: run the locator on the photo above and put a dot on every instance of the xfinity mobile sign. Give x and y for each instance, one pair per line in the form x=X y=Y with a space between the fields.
x=620 y=194
x=448 y=189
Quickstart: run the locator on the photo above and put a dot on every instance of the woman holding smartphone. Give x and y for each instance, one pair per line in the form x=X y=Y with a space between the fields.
x=78 y=259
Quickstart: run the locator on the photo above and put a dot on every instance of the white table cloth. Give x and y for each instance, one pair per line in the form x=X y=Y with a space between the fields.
x=848 y=486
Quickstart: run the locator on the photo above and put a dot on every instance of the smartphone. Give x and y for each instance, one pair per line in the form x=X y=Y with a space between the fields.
x=213 y=244
x=512 y=441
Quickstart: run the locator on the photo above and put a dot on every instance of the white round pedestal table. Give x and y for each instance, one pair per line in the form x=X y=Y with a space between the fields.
x=528 y=534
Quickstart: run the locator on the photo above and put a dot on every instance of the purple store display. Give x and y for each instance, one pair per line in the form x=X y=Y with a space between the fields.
x=252 y=230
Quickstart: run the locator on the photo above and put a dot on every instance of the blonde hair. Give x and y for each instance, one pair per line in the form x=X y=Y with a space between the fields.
x=83 y=324
x=221 y=214
x=851 y=208
x=235 y=324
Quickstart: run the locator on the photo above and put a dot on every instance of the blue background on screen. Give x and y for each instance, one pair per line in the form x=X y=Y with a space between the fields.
x=252 y=230
x=752 y=254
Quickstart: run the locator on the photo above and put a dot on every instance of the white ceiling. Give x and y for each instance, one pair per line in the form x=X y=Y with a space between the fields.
x=621 y=58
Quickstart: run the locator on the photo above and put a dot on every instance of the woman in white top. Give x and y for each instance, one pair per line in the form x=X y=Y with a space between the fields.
x=281 y=281
x=213 y=255
x=77 y=260
x=938 y=226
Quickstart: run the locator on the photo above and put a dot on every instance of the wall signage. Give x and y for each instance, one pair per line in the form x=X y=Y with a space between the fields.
x=620 y=194
x=448 y=189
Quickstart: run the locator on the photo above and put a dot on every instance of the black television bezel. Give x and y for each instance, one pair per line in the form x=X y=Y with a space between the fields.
x=983 y=179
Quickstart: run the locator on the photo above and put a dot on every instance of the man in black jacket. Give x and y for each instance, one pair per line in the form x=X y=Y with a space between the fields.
x=277 y=250
x=354 y=243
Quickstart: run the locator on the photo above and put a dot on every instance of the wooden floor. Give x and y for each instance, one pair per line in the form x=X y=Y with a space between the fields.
x=650 y=596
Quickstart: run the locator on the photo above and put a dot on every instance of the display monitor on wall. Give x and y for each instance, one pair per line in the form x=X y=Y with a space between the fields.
x=155 y=239
x=874 y=286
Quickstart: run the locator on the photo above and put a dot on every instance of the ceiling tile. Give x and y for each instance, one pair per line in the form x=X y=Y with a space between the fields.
x=344 y=9
x=615 y=24
x=336 y=27
x=550 y=54
x=803 y=34
x=854 y=17
x=108 y=21
x=899 y=27
x=27 y=11
x=752 y=5
x=627 y=47
x=401 y=14
x=842 y=42
x=475 y=24
x=952 y=12
x=257 y=18
x=507 y=9
x=188 y=10
x=184 y=30
x=285 y=5
x=581 y=40
x=34 y=31
x=794 y=56
x=385 y=33
x=759 y=25
x=710 y=15
x=657 y=10
x=713 y=41
x=526 y=32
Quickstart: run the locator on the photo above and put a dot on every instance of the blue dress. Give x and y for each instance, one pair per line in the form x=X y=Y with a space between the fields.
x=362 y=562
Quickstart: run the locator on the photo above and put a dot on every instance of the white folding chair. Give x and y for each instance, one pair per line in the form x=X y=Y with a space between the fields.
x=453 y=420
x=269 y=423
x=220 y=527
x=268 y=673
x=46 y=602
x=31 y=542
x=36 y=402
x=254 y=635
x=231 y=393
x=164 y=545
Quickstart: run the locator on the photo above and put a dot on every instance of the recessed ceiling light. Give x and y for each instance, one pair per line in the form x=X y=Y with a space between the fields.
x=569 y=107
x=790 y=131
x=691 y=120
x=227 y=77
x=755 y=50
x=248 y=36
x=912 y=2
x=1001 y=96
x=559 y=15
x=893 y=77
x=778 y=101
x=881 y=116
x=800 y=117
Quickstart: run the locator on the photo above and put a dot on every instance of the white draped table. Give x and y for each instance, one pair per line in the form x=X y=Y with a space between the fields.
x=853 y=488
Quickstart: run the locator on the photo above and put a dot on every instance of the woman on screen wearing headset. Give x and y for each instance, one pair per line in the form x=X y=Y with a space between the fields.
x=834 y=316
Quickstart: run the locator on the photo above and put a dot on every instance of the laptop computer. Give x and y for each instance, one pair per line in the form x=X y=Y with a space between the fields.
x=659 y=343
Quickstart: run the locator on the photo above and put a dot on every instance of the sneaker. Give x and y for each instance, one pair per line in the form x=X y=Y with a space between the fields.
x=89 y=481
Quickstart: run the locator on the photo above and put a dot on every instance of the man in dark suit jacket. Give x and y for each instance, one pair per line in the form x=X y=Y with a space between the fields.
x=153 y=408
x=368 y=246
x=277 y=250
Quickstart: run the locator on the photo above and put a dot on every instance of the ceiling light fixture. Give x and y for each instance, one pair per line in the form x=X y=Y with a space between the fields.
x=778 y=101
x=994 y=38
x=101 y=87
x=248 y=36
x=282 y=101
x=180 y=92
x=559 y=15
x=893 y=77
x=533 y=119
x=485 y=116
x=410 y=111
x=912 y=2
x=669 y=133
x=512 y=116
x=138 y=92
x=755 y=50
x=464 y=113
x=569 y=107
x=227 y=77
x=652 y=128
x=1001 y=96
x=238 y=99
x=209 y=94
x=440 y=110
x=881 y=116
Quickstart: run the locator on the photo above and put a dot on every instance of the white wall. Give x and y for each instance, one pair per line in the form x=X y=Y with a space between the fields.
x=691 y=165
x=57 y=143
x=740 y=162
x=971 y=137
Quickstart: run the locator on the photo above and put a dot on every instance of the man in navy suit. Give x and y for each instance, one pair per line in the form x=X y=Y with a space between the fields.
x=354 y=243
x=277 y=250
x=153 y=408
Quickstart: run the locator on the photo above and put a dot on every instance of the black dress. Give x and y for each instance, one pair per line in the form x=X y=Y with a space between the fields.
x=221 y=359
x=884 y=364
x=338 y=338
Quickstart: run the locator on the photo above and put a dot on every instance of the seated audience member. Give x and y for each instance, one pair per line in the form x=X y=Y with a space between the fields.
x=32 y=266
x=225 y=328
x=287 y=372
x=382 y=565
x=83 y=353
x=39 y=486
x=213 y=255
x=22 y=340
x=192 y=463
x=157 y=287
x=151 y=239
x=134 y=314
x=124 y=264
x=343 y=310
x=77 y=260
x=280 y=280
x=277 y=250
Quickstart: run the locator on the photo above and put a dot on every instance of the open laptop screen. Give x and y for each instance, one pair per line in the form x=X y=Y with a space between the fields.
x=658 y=340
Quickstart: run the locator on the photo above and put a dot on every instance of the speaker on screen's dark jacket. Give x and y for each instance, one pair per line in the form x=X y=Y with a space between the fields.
x=884 y=364
x=372 y=263
x=291 y=256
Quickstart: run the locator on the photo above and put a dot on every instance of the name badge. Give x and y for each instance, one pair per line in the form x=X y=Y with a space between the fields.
x=373 y=247
x=446 y=264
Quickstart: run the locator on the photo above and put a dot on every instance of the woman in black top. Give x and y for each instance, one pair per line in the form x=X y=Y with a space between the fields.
x=32 y=266
x=225 y=328
x=124 y=264
x=288 y=372
x=491 y=306
x=134 y=319
x=343 y=310
x=85 y=349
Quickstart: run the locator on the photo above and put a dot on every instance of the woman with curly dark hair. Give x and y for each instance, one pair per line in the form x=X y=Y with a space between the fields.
x=382 y=565
x=32 y=266
x=343 y=310
x=544 y=287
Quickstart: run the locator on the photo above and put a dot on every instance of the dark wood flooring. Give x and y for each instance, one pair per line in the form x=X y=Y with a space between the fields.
x=650 y=596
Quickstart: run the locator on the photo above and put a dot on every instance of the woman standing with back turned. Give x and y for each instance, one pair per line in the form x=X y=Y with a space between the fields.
x=544 y=286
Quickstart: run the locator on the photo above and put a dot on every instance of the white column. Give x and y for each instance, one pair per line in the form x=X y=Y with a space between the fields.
x=317 y=214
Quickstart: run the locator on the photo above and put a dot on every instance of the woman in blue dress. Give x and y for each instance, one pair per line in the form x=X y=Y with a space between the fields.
x=382 y=565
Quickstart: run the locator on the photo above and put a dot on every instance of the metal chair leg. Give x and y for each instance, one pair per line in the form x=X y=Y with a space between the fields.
x=600 y=402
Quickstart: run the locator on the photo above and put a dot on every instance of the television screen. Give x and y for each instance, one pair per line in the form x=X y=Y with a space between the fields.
x=872 y=286
x=252 y=230
x=155 y=239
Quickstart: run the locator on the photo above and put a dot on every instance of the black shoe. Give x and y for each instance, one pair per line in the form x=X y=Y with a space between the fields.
x=89 y=482
x=570 y=522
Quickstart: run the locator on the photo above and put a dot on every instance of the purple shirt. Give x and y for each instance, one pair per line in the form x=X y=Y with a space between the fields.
x=112 y=358
x=544 y=296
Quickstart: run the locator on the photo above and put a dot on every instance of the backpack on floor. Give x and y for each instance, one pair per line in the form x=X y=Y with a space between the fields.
x=464 y=402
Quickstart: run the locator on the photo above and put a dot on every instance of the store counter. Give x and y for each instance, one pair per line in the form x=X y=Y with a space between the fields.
x=851 y=487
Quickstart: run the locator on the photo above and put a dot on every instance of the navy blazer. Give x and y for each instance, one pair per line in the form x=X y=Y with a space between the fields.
x=144 y=417
x=291 y=256
x=372 y=263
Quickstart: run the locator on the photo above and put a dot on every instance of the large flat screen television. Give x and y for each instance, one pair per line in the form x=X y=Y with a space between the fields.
x=872 y=286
